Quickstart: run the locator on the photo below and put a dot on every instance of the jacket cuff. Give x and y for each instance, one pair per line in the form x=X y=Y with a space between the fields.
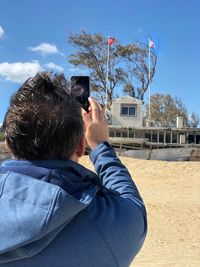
x=100 y=148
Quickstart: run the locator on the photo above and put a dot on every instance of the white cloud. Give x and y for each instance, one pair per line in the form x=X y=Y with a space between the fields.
x=19 y=71
x=76 y=70
x=1 y=32
x=45 y=49
x=54 y=66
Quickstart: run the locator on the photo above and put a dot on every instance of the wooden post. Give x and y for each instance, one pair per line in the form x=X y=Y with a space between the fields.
x=187 y=137
x=164 y=137
x=171 y=137
x=177 y=138
x=120 y=149
x=195 y=138
x=158 y=136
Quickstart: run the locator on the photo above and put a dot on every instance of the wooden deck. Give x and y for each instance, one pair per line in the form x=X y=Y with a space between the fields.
x=154 y=136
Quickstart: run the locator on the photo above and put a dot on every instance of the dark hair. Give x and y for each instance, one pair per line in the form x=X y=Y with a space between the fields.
x=44 y=120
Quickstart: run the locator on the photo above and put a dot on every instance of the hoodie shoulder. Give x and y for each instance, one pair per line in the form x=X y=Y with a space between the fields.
x=32 y=210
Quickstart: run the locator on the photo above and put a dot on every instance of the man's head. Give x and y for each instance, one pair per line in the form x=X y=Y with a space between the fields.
x=44 y=120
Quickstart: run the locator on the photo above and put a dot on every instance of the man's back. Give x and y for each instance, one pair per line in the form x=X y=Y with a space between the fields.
x=97 y=223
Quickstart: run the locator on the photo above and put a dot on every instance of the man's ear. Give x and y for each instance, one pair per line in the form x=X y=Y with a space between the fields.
x=7 y=149
x=81 y=147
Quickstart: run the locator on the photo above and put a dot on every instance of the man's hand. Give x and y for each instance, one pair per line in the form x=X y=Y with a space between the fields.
x=96 y=125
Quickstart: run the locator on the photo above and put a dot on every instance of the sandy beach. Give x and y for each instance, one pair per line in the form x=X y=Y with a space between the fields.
x=171 y=192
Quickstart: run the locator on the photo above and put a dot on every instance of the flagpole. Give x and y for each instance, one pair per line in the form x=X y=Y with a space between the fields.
x=107 y=70
x=149 y=81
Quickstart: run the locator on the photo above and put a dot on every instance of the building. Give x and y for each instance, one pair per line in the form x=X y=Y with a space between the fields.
x=155 y=136
x=127 y=111
x=127 y=127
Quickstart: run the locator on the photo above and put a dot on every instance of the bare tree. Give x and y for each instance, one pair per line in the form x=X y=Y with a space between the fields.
x=195 y=120
x=164 y=110
x=136 y=59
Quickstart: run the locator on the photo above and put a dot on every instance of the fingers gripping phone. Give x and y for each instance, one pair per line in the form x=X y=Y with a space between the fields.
x=80 y=87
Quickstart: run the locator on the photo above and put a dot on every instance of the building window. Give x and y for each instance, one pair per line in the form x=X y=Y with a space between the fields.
x=128 y=110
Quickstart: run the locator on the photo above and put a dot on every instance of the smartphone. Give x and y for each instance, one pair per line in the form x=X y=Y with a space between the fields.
x=80 y=87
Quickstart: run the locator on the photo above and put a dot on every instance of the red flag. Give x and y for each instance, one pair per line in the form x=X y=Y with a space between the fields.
x=111 y=41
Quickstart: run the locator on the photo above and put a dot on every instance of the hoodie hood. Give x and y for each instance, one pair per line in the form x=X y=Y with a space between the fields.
x=34 y=211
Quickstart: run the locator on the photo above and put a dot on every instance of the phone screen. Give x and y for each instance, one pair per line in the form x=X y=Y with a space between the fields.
x=80 y=87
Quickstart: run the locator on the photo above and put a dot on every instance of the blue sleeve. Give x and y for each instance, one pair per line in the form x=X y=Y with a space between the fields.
x=113 y=174
x=125 y=212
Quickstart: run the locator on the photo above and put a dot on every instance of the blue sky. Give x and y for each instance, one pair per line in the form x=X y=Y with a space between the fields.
x=33 y=36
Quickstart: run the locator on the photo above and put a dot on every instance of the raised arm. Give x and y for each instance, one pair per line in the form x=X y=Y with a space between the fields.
x=120 y=216
x=112 y=173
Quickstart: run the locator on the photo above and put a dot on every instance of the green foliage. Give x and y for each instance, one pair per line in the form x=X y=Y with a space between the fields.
x=91 y=52
x=135 y=58
x=127 y=65
x=164 y=109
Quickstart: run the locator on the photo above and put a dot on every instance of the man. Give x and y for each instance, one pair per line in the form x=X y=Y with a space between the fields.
x=55 y=212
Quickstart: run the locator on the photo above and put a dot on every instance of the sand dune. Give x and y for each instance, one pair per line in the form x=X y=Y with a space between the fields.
x=171 y=191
